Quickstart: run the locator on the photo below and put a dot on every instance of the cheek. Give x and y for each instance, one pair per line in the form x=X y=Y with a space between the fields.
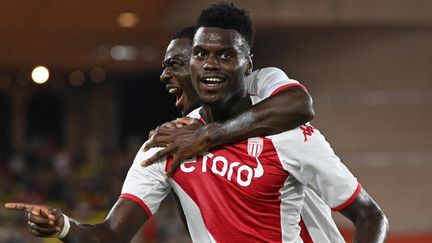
x=195 y=70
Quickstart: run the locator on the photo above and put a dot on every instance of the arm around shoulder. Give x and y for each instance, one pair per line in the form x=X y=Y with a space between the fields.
x=285 y=110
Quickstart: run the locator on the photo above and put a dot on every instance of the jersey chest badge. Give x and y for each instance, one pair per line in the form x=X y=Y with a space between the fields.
x=255 y=146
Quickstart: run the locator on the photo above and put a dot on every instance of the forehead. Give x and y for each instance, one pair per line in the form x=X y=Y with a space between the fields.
x=213 y=36
x=179 y=47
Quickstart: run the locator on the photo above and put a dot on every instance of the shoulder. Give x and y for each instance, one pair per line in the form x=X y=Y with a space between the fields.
x=268 y=73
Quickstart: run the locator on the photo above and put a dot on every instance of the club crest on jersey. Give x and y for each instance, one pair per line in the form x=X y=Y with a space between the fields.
x=255 y=146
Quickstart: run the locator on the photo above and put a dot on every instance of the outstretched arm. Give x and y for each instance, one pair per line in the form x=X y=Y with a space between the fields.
x=371 y=225
x=124 y=220
x=285 y=110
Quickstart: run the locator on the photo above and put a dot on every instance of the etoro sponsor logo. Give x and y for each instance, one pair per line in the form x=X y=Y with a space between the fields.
x=244 y=173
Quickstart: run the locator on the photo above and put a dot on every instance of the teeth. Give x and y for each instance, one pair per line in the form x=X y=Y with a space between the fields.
x=173 y=90
x=214 y=80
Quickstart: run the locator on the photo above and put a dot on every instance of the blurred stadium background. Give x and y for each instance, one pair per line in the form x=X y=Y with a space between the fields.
x=69 y=141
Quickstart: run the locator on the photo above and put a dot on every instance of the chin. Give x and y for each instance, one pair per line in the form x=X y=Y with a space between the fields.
x=213 y=103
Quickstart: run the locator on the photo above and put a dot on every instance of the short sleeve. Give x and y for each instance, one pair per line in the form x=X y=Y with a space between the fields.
x=268 y=81
x=146 y=185
x=307 y=156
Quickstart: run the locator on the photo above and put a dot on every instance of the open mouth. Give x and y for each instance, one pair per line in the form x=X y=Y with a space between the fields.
x=212 y=82
x=178 y=92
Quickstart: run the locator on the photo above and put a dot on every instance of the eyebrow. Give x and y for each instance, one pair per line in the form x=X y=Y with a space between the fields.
x=200 y=47
x=179 y=56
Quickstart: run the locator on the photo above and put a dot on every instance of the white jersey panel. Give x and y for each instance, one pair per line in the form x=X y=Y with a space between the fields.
x=147 y=183
x=263 y=82
x=317 y=217
x=291 y=194
x=310 y=159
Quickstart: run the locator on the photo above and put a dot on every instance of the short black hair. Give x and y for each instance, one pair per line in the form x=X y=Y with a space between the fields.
x=187 y=32
x=227 y=16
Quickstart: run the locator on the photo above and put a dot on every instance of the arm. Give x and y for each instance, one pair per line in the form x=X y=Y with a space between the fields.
x=285 y=110
x=370 y=223
x=124 y=220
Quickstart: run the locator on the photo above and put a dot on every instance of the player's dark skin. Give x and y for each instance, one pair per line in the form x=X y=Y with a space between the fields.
x=185 y=137
x=126 y=216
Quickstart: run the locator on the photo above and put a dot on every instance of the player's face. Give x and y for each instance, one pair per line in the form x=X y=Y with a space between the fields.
x=218 y=65
x=176 y=75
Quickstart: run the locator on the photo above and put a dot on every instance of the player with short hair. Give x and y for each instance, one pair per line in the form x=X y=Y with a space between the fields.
x=95 y=233
x=124 y=218
x=316 y=220
x=357 y=205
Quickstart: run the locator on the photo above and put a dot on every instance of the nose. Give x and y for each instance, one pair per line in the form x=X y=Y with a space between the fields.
x=211 y=63
x=165 y=76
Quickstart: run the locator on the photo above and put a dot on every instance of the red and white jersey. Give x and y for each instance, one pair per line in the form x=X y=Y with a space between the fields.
x=252 y=190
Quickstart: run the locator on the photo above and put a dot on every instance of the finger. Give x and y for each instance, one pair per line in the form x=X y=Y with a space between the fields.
x=38 y=219
x=34 y=232
x=151 y=134
x=152 y=144
x=183 y=121
x=19 y=206
x=171 y=124
x=156 y=156
x=47 y=212
x=157 y=141
x=175 y=124
x=147 y=145
x=187 y=121
x=44 y=229
x=43 y=232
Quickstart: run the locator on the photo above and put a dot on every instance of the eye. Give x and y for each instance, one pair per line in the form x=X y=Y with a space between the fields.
x=226 y=56
x=200 y=54
x=172 y=62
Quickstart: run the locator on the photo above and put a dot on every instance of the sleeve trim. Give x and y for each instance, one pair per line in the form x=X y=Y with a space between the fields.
x=287 y=86
x=350 y=200
x=137 y=200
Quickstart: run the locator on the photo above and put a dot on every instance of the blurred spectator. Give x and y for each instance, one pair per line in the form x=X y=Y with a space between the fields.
x=84 y=184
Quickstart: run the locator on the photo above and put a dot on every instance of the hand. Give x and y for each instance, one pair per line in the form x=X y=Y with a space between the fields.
x=179 y=122
x=182 y=142
x=43 y=221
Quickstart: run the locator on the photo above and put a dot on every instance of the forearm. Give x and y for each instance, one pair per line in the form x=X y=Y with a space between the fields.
x=121 y=224
x=370 y=223
x=89 y=233
x=373 y=228
x=286 y=110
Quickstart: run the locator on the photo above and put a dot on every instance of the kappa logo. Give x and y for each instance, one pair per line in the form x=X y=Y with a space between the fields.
x=220 y=165
x=307 y=131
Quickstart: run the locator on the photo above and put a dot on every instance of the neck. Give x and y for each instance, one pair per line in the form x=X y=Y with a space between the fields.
x=220 y=113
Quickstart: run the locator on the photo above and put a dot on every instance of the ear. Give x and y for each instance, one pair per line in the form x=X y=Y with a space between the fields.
x=249 y=64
